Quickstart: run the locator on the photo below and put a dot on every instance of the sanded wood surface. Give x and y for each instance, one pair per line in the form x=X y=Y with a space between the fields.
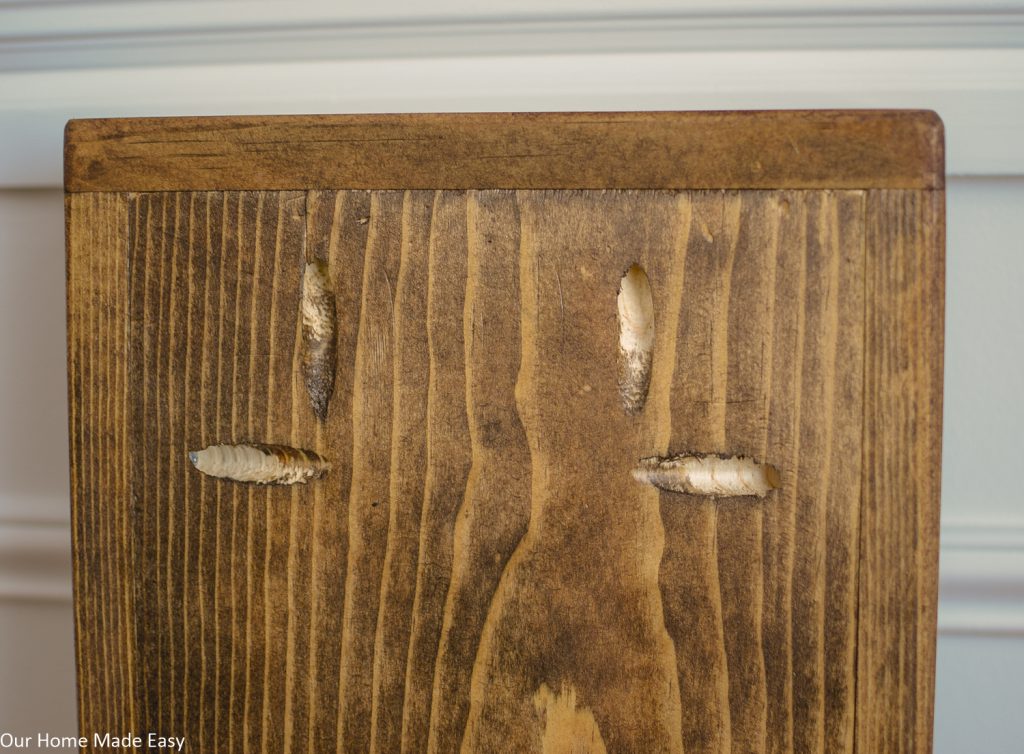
x=479 y=571
x=902 y=470
x=669 y=150
x=103 y=508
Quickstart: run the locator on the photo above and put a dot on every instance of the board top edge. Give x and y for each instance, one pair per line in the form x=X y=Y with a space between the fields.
x=767 y=149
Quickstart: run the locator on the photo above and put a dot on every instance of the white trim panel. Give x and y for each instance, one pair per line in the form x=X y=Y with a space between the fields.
x=978 y=93
x=91 y=34
x=981 y=578
x=78 y=17
x=35 y=561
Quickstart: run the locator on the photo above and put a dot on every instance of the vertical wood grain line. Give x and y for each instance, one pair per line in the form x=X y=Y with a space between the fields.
x=155 y=401
x=689 y=578
x=222 y=531
x=931 y=308
x=740 y=525
x=773 y=212
x=842 y=503
x=95 y=483
x=459 y=554
x=275 y=426
x=829 y=408
x=96 y=475
x=295 y=571
x=808 y=552
x=237 y=564
x=74 y=232
x=308 y=698
x=810 y=628
x=134 y=285
x=154 y=257
x=368 y=510
x=669 y=282
x=796 y=479
x=275 y=422
x=479 y=733
x=118 y=481
x=157 y=258
x=101 y=464
x=88 y=484
x=717 y=413
x=122 y=591
x=448 y=456
x=191 y=413
x=283 y=567
x=166 y=402
x=226 y=497
x=301 y=506
x=196 y=623
x=204 y=711
x=667 y=329
x=788 y=337
x=203 y=406
x=209 y=504
x=72 y=220
x=583 y=572
x=117 y=270
x=493 y=515
x=407 y=478
x=337 y=231
x=248 y=211
x=768 y=354
x=902 y=456
x=96 y=468
x=106 y=329
x=97 y=290
x=190 y=614
x=251 y=621
x=143 y=560
x=314 y=250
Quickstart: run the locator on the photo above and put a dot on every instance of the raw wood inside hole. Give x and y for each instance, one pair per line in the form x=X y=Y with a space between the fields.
x=636 y=338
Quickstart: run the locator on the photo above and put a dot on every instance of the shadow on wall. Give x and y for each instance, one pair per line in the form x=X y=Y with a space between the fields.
x=33 y=380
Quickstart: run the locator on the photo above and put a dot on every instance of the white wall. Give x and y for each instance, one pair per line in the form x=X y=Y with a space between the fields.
x=73 y=59
x=36 y=648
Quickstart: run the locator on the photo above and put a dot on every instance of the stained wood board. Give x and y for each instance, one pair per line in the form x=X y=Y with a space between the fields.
x=479 y=571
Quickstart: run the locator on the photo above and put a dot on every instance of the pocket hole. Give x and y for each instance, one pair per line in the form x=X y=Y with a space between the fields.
x=318 y=336
x=636 y=338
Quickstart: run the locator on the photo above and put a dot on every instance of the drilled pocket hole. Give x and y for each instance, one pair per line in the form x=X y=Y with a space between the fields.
x=709 y=474
x=318 y=336
x=636 y=338
x=260 y=463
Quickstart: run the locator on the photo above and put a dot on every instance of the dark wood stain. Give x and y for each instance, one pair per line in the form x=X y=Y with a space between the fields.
x=655 y=150
x=478 y=571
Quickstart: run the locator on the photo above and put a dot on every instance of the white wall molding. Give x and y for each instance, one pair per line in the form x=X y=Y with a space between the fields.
x=978 y=93
x=981 y=578
x=47 y=35
x=35 y=561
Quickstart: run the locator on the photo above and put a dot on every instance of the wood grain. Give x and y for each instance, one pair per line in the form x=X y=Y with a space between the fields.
x=103 y=546
x=479 y=571
x=842 y=149
x=770 y=288
x=902 y=470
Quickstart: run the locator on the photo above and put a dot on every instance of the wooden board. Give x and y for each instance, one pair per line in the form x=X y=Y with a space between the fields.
x=479 y=571
x=728 y=150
